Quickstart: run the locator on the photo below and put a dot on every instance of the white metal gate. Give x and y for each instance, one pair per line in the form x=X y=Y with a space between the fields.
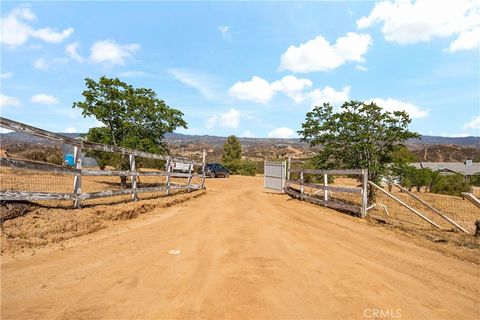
x=274 y=175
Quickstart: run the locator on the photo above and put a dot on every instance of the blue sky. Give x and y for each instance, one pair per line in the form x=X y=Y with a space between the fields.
x=250 y=69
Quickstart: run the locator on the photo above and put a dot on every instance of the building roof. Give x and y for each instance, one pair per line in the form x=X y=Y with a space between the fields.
x=458 y=167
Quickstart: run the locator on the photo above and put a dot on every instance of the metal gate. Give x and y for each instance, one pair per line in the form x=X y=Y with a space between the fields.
x=274 y=175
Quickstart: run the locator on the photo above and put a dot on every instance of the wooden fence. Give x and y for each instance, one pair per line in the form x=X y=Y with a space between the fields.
x=78 y=172
x=326 y=200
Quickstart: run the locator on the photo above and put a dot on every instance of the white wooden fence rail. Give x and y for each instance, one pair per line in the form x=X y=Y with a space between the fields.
x=78 y=172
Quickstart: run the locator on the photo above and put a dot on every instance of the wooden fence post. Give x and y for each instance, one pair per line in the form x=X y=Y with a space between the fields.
x=363 y=212
x=204 y=157
x=301 y=188
x=133 y=177
x=289 y=165
x=190 y=172
x=169 y=169
x=325 y=191
x=77 y=180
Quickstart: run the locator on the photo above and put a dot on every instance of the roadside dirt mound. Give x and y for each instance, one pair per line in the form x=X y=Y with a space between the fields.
x=41 y=226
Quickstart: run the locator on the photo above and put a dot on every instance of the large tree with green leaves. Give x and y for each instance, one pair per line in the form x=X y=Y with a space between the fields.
x=359 y=135
x=132 y=118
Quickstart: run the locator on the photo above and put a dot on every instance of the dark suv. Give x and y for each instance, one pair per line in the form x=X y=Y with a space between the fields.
x=214 y=170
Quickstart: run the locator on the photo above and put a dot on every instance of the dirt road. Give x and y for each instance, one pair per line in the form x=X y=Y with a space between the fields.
x=245 y=253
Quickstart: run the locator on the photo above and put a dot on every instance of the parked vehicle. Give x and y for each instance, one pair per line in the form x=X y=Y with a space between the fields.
x=180 y=167
x=214 y=170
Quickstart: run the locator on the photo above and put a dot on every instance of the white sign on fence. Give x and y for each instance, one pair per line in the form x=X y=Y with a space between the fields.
x=179 y=166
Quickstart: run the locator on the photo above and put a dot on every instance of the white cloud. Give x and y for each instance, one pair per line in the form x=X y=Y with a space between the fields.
x=319 y=55
x=282 y=132
x=202 y=82
x=257 y=90
x=230 y=119
x=396 y=105
x=329 y=95
x=71 y=51
x=41 y=64
x=16 y=28
x=44 y=64
x=248 y=134
x=474 y=124
x=6 y=75
x=6 y=101
x=292 y=86
x=109 y=53
x=43 y=98
x=211 y=121
x=70 y=130
x=361 y=68
x=261 y=91
x=224 y=30
x=407 y=22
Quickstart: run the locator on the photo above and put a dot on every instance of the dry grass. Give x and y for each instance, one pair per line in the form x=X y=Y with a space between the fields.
x=38 y=181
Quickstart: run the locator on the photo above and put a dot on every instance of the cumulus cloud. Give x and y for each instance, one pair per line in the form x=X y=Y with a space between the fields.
x=6 y=75
x=407 y=22
x=16 y=29
x=211 y=121
x=200 y=81
x=293 y=87
x=230 y=119
x=257 y=90
x=474 y=124
x=260 y=90
x=72 y=53
x=7 y=101
x=319 y=55
x=248 y=134
x=43 y=98
x=282 y=132
x=329 y=95
x=396 y=105
x=109 y=53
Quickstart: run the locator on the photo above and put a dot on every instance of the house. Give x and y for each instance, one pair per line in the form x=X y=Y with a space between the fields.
x=468 y=168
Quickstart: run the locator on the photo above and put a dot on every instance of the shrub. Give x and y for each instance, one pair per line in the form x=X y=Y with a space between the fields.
x=451 y=184
x=475 y=180
x=241 y=167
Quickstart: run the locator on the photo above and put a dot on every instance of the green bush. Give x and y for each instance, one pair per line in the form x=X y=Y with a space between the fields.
x=475 y=180
x=241 y=167
x=451 y=184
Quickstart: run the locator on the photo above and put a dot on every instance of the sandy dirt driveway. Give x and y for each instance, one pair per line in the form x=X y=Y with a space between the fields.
x=245 y=253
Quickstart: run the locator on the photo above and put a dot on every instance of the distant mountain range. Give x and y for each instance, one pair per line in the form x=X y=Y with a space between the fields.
x=214 y=141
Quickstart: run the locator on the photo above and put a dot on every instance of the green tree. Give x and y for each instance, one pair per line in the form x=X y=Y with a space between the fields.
x=232 y=150
x=132 y=118
x=360 y=135
x=232 y=158
x=402 y=155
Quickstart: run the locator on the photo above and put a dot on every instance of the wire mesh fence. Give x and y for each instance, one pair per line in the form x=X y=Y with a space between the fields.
x=35 y=169
x=437 y=208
